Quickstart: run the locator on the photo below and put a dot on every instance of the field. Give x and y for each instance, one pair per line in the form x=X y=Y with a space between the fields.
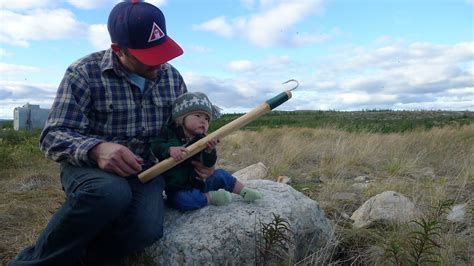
x=426 y=156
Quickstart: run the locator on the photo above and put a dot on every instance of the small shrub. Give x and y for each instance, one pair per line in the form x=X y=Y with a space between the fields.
x=275 y=240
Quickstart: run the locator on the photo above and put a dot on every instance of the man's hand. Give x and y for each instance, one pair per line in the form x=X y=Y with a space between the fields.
x=202 y=171
x=116 y=158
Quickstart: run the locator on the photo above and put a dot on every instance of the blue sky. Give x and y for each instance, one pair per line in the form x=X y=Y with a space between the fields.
x=346 y=54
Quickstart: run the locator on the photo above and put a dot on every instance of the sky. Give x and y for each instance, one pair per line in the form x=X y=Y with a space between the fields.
x=347 y=55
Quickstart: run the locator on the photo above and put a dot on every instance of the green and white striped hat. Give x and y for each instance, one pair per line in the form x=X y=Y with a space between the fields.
x=193 y=102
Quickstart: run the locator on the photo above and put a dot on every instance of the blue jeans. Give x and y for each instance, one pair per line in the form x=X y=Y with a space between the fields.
x=186 y=200
x=105 y=216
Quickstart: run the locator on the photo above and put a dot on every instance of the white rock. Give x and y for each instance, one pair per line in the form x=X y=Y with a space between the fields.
x=254 y=171
x=388 y=206
x=457 y=213
x=361 y=178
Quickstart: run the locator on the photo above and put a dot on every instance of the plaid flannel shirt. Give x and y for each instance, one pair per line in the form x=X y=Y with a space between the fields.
x=96 y=102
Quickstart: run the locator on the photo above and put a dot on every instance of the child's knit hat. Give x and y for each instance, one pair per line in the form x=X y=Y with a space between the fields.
x=193 y=102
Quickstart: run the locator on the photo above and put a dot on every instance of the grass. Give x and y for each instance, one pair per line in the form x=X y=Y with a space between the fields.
x=427 y=164
x=382 y=121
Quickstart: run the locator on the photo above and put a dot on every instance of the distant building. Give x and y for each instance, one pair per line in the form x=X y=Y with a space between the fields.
x=28 y=117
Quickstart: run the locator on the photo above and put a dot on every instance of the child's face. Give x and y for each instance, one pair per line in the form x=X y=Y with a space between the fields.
x=196 y=123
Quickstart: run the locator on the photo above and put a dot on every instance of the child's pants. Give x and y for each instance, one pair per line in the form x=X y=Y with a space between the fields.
x=186 y=200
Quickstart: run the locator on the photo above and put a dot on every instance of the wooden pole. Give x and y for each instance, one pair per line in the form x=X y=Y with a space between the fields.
x=220 y=133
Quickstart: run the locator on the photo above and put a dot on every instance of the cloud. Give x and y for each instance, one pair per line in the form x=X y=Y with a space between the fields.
x=240 y=65
x=390 y=76
x=271 y=64
x=158 y=3
x=39 y=24
x=14 y=94
x=416 y=72
x=217 y=25
x=8 y=69
x=4 y=53
x=272 y=25
x=26 y=4
x=91 y=4
x=99 y=37
x=230 y=93
x=27 y=91
x=198 y=49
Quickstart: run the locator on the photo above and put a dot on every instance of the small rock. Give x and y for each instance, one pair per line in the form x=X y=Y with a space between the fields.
x=283 y=179
x=457 y=213
x=360 y=178
x=428 y=172
x=254 y=171
x=360 y=186
x=388 y=206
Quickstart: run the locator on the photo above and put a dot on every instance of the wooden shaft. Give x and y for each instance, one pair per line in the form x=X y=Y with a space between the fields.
x=200 y=145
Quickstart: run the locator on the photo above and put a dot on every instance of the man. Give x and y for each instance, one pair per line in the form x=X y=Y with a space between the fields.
x=108 y=106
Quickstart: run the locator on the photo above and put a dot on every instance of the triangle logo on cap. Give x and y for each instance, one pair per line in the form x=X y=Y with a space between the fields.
x=156 y=33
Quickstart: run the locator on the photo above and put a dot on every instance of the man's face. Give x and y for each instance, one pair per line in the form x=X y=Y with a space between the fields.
x=134 y=66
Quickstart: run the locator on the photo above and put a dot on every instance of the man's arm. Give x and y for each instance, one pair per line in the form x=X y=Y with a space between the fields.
x=64 y=136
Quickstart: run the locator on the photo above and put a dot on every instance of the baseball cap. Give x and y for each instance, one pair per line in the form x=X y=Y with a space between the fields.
x=141 y=28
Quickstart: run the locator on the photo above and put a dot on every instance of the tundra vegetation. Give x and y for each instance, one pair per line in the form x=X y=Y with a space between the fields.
x=428 y=156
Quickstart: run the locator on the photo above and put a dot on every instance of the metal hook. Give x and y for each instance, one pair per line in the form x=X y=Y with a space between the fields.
x=290 y=80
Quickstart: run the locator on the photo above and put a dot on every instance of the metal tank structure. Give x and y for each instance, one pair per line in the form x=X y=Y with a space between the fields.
x=29 y=116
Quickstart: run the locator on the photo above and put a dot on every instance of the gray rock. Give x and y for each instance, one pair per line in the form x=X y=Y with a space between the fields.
x=388 y=206
x=227 y=235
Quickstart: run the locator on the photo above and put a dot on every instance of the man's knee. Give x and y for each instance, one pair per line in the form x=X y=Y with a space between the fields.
x=148 y=227
x=105 y=194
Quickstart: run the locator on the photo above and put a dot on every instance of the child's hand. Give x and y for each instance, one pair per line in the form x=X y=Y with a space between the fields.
x=211 y=144
x=177 y=152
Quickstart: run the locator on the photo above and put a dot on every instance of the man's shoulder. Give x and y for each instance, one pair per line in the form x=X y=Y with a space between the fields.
x=170 y=69
x=95 y=59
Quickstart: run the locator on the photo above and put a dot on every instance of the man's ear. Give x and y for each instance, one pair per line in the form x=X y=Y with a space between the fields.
x=116 y=49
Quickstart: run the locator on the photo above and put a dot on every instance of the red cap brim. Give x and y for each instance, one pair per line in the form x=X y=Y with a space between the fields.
x=159 y=54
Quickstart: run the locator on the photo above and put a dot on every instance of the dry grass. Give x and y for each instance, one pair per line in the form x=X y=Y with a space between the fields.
x=426 y=166
x=28 y=197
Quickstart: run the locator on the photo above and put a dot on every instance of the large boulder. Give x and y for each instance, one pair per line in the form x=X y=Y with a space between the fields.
x=228 y=235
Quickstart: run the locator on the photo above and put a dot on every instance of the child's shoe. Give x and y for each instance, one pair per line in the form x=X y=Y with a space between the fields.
x=250 y=195
x=220 y=197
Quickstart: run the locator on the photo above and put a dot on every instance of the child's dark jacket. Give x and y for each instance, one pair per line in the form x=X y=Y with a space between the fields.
x=182 y=176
